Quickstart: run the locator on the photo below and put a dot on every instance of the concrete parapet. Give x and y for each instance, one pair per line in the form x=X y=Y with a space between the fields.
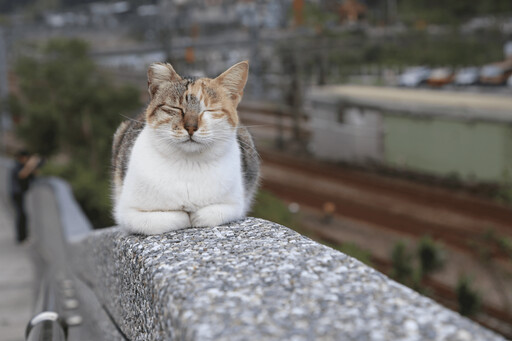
x=253 y=280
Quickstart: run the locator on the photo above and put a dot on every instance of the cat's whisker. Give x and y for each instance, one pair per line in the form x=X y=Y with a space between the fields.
x=259 y=125
x=244 y=146
x=132 y=119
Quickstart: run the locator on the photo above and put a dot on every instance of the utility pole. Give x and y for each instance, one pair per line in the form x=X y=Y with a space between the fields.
x=295 y=71
x=296 y=88
x=5 y=119
x=254 y=36
x=391 y=11
x=292 y=68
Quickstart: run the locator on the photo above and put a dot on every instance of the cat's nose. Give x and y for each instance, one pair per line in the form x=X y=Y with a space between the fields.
x=191 y=128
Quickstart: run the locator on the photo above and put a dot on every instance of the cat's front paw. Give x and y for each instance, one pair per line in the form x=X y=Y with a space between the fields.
x=215 y=215
x=156 y=222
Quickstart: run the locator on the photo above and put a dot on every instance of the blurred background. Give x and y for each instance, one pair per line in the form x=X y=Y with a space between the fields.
x=384 y=126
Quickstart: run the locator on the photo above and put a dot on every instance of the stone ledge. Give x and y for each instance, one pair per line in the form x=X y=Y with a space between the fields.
x=253 y=280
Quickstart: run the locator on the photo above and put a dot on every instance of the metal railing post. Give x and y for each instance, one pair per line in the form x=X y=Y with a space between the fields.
x=46 y=326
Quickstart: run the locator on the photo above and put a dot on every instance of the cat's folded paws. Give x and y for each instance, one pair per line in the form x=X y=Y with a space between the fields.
x=156 y=222
x=215 y=215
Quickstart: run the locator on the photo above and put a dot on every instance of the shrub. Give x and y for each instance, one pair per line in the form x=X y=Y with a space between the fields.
x=468 y=298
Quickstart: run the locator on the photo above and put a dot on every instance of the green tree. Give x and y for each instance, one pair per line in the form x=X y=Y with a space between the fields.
x=66 y=101
x=66 y=106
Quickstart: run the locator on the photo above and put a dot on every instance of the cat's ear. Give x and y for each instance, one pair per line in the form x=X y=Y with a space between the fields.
x=159 y=73
x=234 y=79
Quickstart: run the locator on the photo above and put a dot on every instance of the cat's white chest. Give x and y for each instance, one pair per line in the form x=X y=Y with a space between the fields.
x=159 y=182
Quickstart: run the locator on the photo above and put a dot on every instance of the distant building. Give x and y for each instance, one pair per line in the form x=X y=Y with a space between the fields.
x=351 y=11
x=437 y=133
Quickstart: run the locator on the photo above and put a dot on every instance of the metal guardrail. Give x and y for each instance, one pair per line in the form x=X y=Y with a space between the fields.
x=55 y=221
x=57 y=307
x=47 y=325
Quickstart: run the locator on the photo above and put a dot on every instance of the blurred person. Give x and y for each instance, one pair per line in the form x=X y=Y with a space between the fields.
x=21 y=176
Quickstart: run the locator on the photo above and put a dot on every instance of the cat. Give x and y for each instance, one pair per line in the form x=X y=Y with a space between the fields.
x=186 y=161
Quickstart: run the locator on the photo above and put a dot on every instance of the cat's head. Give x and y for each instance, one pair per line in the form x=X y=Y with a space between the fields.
x=194 y=114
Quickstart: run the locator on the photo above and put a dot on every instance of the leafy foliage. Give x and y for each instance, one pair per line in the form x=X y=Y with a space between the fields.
x=401 y=261
x=450 y=12
x=65 y=106
x=64 y=100
x=91 y=189
x=357 y=252
x=468 y=298
x=490 y=247
x=267 y=206
x=316 y=16
x=430 y=256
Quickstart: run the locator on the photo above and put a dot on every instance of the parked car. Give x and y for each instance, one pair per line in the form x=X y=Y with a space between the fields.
x=414 y=76
x=440 y=76
x=467 y=76
x=497 y=73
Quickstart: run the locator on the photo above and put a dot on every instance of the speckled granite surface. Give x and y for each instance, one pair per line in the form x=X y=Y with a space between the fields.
x=253 y=280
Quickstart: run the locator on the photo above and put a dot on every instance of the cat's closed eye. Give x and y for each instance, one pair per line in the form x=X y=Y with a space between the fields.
x=172 y=110
x=209 y=112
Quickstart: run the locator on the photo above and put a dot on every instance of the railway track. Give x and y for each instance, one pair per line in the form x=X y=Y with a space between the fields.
x=412 y=209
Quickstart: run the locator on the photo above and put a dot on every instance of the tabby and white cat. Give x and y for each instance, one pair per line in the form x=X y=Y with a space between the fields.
x=185 y=161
